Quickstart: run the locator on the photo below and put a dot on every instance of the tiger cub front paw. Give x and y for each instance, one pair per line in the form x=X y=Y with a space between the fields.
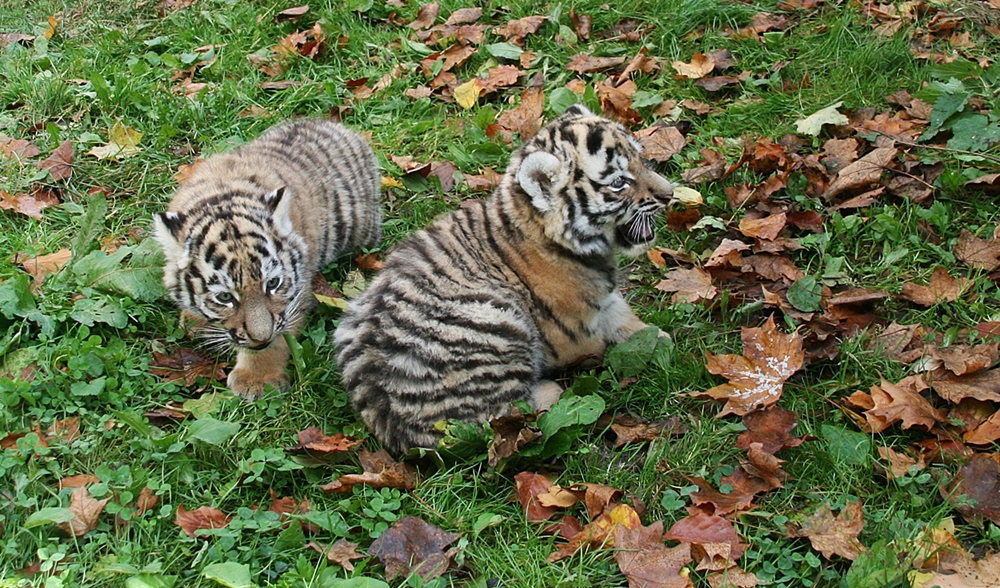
x=251 y=385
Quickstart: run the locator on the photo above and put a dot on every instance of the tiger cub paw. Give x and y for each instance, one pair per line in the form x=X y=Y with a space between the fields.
x=251 y=385
x=545 y=394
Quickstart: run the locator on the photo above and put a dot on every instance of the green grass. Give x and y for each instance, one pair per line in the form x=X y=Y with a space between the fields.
x=114 y=61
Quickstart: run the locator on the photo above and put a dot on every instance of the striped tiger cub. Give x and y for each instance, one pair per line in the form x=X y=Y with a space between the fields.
x=247 y=232
x=479 y=308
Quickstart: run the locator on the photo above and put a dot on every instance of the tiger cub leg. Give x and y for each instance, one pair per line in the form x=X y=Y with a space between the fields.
x=544 y=394
x=617 y=321
x=256 y=370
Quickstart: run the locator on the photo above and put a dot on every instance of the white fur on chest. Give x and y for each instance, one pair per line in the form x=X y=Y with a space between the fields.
x=614 y=322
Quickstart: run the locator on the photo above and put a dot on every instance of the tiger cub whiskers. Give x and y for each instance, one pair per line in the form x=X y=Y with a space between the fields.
x=246 y=233
x=487 y=303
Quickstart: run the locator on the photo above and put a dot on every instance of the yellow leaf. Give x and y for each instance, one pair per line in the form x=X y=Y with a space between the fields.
x=123 y=135
x=53 y=24
x=391 y=182
x=688 y=196
x=467 y=93
x=122 y=142
x=331 y=301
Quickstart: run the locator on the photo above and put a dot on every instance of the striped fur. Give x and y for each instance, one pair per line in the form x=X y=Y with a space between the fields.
x=246 y=233
x=475 y=311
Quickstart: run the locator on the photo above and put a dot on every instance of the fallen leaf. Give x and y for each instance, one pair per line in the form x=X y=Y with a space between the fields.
x=713 y=169
x=380 y=471
x=468 y=93
x=510 y=434
x=78 y=481
x=528 y=486
x=835 y=536
x=85 y=511
x=739 y=498
x=314 y=440
x=292 y=14
x=616 y=101
x=978 y=253
x=526 y=118
x=426 y=16
x=146 y=501
x=122 y=142
x=727 y=253
x=941 y=288
x=19 y=148
x=765 y=466
x=961 y=360
x=863 y=173
x=968 y=573
x=813 y=124
x=901 y=402
x=64 y=431
x=772 y=428
x=699 y=67
x=341 y=552
x=688 y=285
x=29 y=204
x=899 y=463
x=40 y=267
x=986 y=432
x=600 y=532
x=516 y=30
x=566 y=527
x=978 y=481
x=733 y=577
x=757 y=377
x=464 y=16
x=660 y=142
x=628 y=429
x=766 y=228
x=484 y=182
x=59 y=162
x=413 y=546
x=186 y=366
x=647 y=562
x=584 y=63
x=205 y=517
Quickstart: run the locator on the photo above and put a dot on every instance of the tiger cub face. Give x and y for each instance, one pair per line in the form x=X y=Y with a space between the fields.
x=240 y=268
x=585 y=176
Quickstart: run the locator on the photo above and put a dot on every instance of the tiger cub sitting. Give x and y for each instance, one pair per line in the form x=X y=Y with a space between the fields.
x=476 y=310
x=247 y=232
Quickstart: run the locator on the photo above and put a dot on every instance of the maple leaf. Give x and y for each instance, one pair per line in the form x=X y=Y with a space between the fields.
x=727 y=253
x=968 y=573
x=584 y=63
x=526 y=119
x=863 y=173
x=978 y=253
x=19 y=148
x=766 y=228
x=122 y=142
x=757 y=377
x=813 y=124
x=186 y=365
x=516 y=30
x=733 y=577
x=688 y=285
x=835 y=536
x=616 y=101
x=704 y=530
x=740 y=498
x=205 y=517
x=979 y=482
x=146 y=500
x=660 y=142
x=341 y=552
x=600 y=532
x=315 y=441
x=29 y=204
x=899 y=463
x=528 y=486
x=765 y=466
x=941 y=288
x=59 y=162
x=380 y=471
x=714 y=168
x=772 y=428
x=700 y=66
x=961 y=360
x=986 y=432
x=581 y=23
x=484 y=182
x=889 y=403
x=647 y=562
x=628 y=429
x=413 y=546
x=85 y=511
x=567 y=527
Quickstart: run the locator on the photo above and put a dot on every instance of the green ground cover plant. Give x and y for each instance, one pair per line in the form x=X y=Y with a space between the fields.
x=825 y=413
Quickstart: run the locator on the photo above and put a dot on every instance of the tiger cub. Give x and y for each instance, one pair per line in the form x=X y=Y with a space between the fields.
x=479 y=308
x=247 y=232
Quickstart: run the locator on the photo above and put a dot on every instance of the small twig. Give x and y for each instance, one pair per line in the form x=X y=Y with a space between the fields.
x=429 y=507
x=992 y=158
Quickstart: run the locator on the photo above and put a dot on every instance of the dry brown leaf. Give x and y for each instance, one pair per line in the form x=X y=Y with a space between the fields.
x=772 y=428
x=978 y=253
x=899 y=463
x=713 y=169
x=733 y=577
x=78 y=481
x=43 y=265
x=700 y=66
x=516 y=30
x=765 y=466
x=963 y=360
x=292 y=14
x=688 y=285
x=968 y=573
x=941 y=288
x=526 y=119
x=616 y=101
x=85 y=511
x=744 y=488
x=484 y=182
x=766 y=228
x=528 y=486
x=628 y=429
x=340 y=553
x=186 y=366
x=978 y=481
x=863 y=173
x=314 y=440
x=900 y=402
x=499 y=77
x=146 y=500
x=835 y=536
x=426 y=16
x=600 y=532
x=757 y=377
x=714 y=542
x=727 y=253
x=380 y=471
x=413 y=546
x=29 y=204
x=464 y=16
x=59 y=162
x=205 y=517
x=19 y=148
x=647 y=562
x=986 y=432
x=581 y=23
x=510 y=434
x=660 y=142
x=584 y=63
x=64 y=431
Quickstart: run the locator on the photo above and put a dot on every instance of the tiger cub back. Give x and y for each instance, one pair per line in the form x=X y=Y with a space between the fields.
x=478 y=309
x=246 y=233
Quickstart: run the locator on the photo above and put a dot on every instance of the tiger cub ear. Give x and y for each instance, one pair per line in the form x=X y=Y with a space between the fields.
x=536 y=174
x=280 y=203
x=167 y=228
x=577 y=110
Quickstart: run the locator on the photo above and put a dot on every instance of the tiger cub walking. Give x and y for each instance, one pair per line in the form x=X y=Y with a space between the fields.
x=479 y=308
x=246 y=233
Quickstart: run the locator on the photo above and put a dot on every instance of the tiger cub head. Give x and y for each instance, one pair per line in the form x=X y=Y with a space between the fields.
x=238 y=264
x=584 y=174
